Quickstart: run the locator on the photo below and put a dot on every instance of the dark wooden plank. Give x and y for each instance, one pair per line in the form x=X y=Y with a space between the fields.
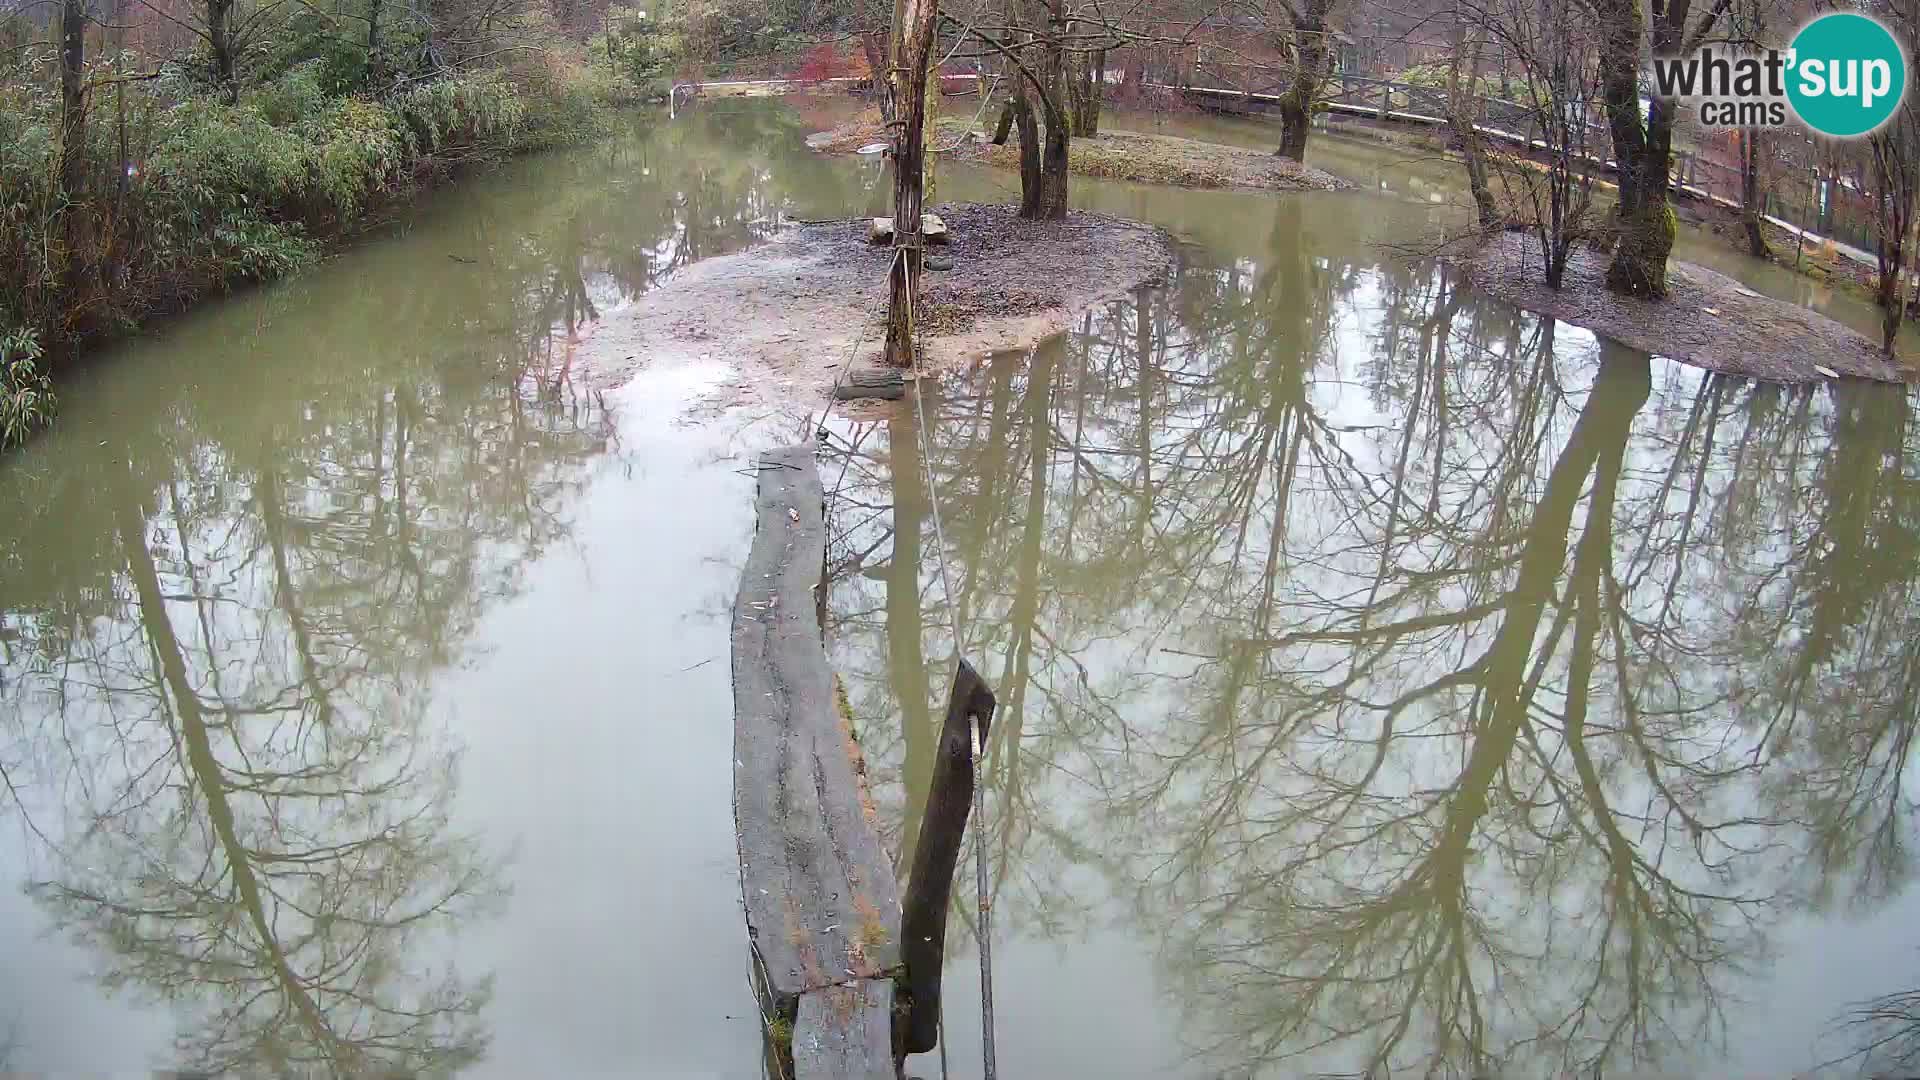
x=888 y=383
x=822 y=906
x=845 y=1032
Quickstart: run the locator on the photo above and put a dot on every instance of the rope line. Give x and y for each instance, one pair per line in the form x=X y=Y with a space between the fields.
x=986 y=98
x=826 y=406
x=941 y=1021
x=982 y=914
x=956 y=626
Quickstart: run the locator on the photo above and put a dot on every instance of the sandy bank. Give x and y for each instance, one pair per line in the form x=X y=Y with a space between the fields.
x=786 y=315
x=1709 y=320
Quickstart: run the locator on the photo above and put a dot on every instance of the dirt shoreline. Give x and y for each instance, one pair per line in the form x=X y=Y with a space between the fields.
x=787 y=315
x=1709 y=320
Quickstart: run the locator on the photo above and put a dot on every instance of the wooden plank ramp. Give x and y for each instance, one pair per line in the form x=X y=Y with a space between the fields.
x=822 y=906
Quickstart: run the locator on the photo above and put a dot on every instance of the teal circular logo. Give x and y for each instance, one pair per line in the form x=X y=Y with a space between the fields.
x=1847 y=73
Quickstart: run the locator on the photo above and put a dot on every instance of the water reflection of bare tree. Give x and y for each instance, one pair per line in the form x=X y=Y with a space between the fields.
x=1350 y=863
x=1511 y=815
x=274 y=855
x=1484 y=725
x=224 y=726
x=1883 y=1033
x=1044 y=532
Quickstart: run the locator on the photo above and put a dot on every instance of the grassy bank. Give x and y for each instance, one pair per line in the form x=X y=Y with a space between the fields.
x=1111 y=155
x=187 y=192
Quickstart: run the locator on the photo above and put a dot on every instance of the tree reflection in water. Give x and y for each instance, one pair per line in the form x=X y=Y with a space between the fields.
x=1440 y=691
x=220 y=633
x=229 y=728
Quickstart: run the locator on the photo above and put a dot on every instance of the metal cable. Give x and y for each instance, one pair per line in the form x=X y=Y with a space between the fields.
x=826 y=407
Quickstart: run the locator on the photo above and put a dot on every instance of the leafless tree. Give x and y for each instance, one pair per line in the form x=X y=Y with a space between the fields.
x=1464 y=113
x=1555 y=52
x=1310 y=25
x=1895 y=148
x=1644 y=226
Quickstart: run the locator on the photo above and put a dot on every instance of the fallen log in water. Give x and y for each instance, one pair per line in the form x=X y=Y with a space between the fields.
x=823 y=913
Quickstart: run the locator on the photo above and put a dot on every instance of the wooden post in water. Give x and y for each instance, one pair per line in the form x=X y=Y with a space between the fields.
x=915 y=20
x=936 y=855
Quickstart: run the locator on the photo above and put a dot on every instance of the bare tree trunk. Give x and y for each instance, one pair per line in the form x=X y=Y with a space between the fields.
x=1054 y=162
x=1895 y=172
x=1463 y=113
x=1753 y=198
x=1896 y=162
x=220 y=43
x=376 y=66
x=1049 y=200
x=909 y=157
x=1010 y=77
x=73 y=141
x=1644 y=151
x=1087 y=83
x=1029 y=150
x=874 y=45
x=1097 y=97
x=1309 y=69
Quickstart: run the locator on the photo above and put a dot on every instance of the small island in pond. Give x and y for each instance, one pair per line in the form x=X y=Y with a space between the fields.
x=1707 y=319
x=793 y=313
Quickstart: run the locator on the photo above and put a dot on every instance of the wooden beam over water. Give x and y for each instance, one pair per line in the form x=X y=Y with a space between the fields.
x=823 y=911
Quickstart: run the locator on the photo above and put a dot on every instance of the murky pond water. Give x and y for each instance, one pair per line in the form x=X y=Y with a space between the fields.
x=363 y=684
x=1387 y=677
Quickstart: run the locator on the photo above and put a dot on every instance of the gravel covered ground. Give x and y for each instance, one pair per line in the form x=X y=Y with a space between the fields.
x=1708 y=320
x=787 y=315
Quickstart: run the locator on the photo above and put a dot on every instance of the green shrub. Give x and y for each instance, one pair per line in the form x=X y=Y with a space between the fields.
x=569 y=106
x=304 y=90
x=27 y=206
x=311 y=38
x=354 y=150
x=216 y=194
x=26 y=397
x=464 y=113
x=640 y=50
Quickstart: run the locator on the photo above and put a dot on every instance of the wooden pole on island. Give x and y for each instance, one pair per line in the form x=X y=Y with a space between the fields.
x=915 y=21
